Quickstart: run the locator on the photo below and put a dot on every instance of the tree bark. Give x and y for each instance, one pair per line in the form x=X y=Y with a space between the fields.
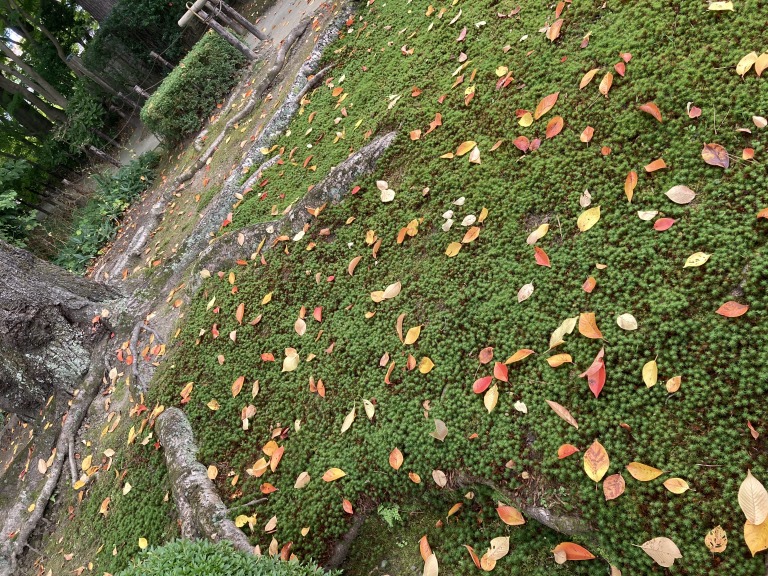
x=52 y=113
x=98 y=9
x=50 y=92
x=46 y=329
x=201 y=511
x=32 y=121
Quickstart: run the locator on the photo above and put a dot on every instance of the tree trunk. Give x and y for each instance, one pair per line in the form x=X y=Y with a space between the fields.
x=52 y=113
x=30 y=119
x=51 y=92
x=99 y=9
x=46 y=329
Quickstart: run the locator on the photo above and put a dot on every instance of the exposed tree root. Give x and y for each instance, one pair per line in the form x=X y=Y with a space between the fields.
x=133 y=347
x=11 y=550
x=341 y=548
x=314 y=81
x=567 y=524
x=224 y=251
x=201 y=511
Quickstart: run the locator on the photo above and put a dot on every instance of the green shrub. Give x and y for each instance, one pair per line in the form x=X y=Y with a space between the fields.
x=97 y=222
x=15 y=220
x=188 y=558
x=190 y=92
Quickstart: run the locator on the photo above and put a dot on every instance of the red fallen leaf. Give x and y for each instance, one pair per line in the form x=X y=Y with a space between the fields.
x=566 y=450
x=584 y=42
x=589 y=285
x=438 y=121
x=486 y=355
x=267 y=357
x=522 y=143
x=535 y=143
x=510 y=515
x=500 y=372
x=347 y=505
x=663 y=224
x=732 y=309
x=755 y=433
x=355 y=190
x=694 y=112
x=267 y=488
x=442 y=98
x=481 y=384
x=605 y=150
x=215 y=331
x=596 y=374
x=715 y=155
x=285 y=552
x=473 y=555
x=559 y=9
x=656 y=165
x=573 y=551
x=748 y=154
x=462 y=34
x=318 y=314
x=620 y=68
x=554 y=127
x=626 y=56
x=415 y=92
x=541 y=257
x=652 y=109
x=587 y=134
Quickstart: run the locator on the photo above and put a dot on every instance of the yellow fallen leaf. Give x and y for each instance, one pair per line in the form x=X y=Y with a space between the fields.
x=588 y=218
x=453 y=249
x=412 y=335
x=426 y=365
x=643 y=472
x=333 y=474
x=696 y=259
x=650 y=373
x=465 y=147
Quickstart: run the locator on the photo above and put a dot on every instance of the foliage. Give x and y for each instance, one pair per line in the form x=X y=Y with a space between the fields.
x=191 y=91
x=97 y=222
x=84 y=115
x=15 y=219
x=133 y=29
x=191 y=558
x=389 y=513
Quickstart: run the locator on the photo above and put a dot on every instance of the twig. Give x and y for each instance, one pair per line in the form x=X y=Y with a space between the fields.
x=251 y=503
x=72 y=467
x=314 y=81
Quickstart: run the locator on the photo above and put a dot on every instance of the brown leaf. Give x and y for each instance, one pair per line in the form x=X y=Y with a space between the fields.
x=605 y=84
x=629 y=185
x=554 y=127
x=353 y=264
x=588 y=326
x=715 y=155
x=563 y=413
x=553 y=32
x=732 y=309
x=656 y=165
x=587 y=78
x=652 y=109
x=396 y=459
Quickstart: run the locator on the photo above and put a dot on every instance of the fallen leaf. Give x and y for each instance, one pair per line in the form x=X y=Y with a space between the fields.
x=650 y=373
x=491 y=398
x=412 y=335
x=333 y=474
x=745 y=64
x=662 y=550
x=524 y=293
x=652 y=109
x=715 y=155
x=545 y=105
x=541 y=257
x=663 y=224
x=588 y=326
x=753 y=500
x=537 y=234
x=756 y=537
x=510 y=515
x=396 y=459
x=588 y=218
x=554 y=127
x=596 y=461
x=627 y=322
x=571 y=551
x=587 y=78
x=563 y=413
x=587 y=134
x=716 y=540
x=348 y=420
x=676 y=485
x=643 y=472
x=613 y=486
x=605 y=84
x=732 y=309
x=629 y=185
x=657 y=164
x=696 y=259
x=465 y=147
x=566 y=450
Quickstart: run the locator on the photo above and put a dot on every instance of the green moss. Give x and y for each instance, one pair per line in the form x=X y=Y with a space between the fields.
x=680 y=53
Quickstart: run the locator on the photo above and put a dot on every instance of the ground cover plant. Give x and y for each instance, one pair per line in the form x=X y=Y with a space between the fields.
x=320 y=373
x=97 y=222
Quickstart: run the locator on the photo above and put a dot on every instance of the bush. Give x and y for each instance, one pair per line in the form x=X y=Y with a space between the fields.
x=192 y=558
x=191 y=91
x=97 y=222
x=15 y=220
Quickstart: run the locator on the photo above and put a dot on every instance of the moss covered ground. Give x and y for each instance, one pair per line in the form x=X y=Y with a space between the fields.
x=395 y=65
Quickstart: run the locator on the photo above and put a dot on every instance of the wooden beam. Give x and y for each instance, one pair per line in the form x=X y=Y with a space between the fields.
x=235 y=15
x=221 y=31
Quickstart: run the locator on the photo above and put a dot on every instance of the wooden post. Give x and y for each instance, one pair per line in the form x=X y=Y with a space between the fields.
x=221 y=31
x=128 y=101
x=155 y=56
x=218 y=14
x=235 y=15
x=141 y=91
